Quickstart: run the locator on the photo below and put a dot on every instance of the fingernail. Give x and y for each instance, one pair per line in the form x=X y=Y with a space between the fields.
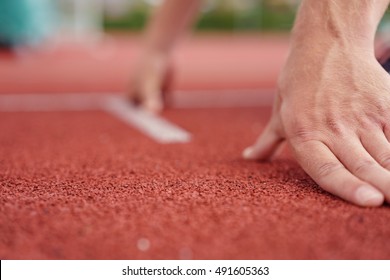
x=368 y=196
x=247 y=153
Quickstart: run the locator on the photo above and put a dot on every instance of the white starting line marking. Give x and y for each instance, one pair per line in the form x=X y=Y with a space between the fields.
x=152 y=125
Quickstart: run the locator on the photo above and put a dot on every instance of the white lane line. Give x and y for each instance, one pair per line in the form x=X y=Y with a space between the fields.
x=152 y=125
x=180 y=99
x=49 y=102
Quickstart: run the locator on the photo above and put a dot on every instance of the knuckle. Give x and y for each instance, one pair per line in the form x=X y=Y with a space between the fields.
x=384 y=159
x=370 y=123
x=372 y=120
x=328 y=168
x=329 y=130
x=303 y=134
x=333 y=125
x=363 y=166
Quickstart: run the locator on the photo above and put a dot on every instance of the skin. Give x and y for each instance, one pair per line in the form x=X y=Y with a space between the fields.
x=332 y=105
x=333 y=102
x=163 y=31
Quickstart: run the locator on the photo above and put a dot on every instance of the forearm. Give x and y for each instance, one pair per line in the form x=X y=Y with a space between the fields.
x=349 y=23
x=170 y=20
x=327 y=33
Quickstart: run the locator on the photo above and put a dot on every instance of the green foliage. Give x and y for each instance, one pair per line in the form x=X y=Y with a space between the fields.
x=260 y=17
x=216 y=20
x=134 y=20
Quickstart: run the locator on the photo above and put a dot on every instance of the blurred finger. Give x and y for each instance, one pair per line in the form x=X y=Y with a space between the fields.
x=153 y=103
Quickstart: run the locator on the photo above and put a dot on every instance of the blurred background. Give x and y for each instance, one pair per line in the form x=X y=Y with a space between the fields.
x=243 y=43
x=28 y=21
x=219 y=15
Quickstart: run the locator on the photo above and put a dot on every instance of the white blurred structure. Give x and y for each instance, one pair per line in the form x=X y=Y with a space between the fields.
x=80 y=20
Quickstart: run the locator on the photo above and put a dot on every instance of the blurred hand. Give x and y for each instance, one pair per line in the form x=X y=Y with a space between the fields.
x=152 y=75
x=333 y=109
x=149 y=82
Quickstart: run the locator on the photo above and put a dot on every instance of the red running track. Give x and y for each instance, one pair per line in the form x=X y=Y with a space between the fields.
x=83 y=185
x=206 y=62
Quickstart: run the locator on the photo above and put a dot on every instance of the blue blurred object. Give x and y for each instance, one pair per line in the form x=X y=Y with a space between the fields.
x=386 y=65
x=25 y=22
x=384 y=58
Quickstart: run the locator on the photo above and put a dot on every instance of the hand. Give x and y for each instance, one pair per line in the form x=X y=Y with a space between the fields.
x=149 y=82
x=153 y=75
x=333 y=109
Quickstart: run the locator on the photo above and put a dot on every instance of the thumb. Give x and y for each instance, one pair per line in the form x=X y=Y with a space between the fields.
x=267 y=144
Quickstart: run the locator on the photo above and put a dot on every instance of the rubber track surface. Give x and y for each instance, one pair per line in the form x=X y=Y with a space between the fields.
x=86 y=186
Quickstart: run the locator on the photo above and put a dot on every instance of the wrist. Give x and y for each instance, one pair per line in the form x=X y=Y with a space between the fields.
x=346 y=24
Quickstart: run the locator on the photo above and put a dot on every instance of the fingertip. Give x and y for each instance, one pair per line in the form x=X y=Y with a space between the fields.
x=153 y=105
x=368 y=196
x=248 y=153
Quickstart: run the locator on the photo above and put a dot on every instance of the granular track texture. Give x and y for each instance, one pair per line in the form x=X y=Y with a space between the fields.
x=86 y=186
